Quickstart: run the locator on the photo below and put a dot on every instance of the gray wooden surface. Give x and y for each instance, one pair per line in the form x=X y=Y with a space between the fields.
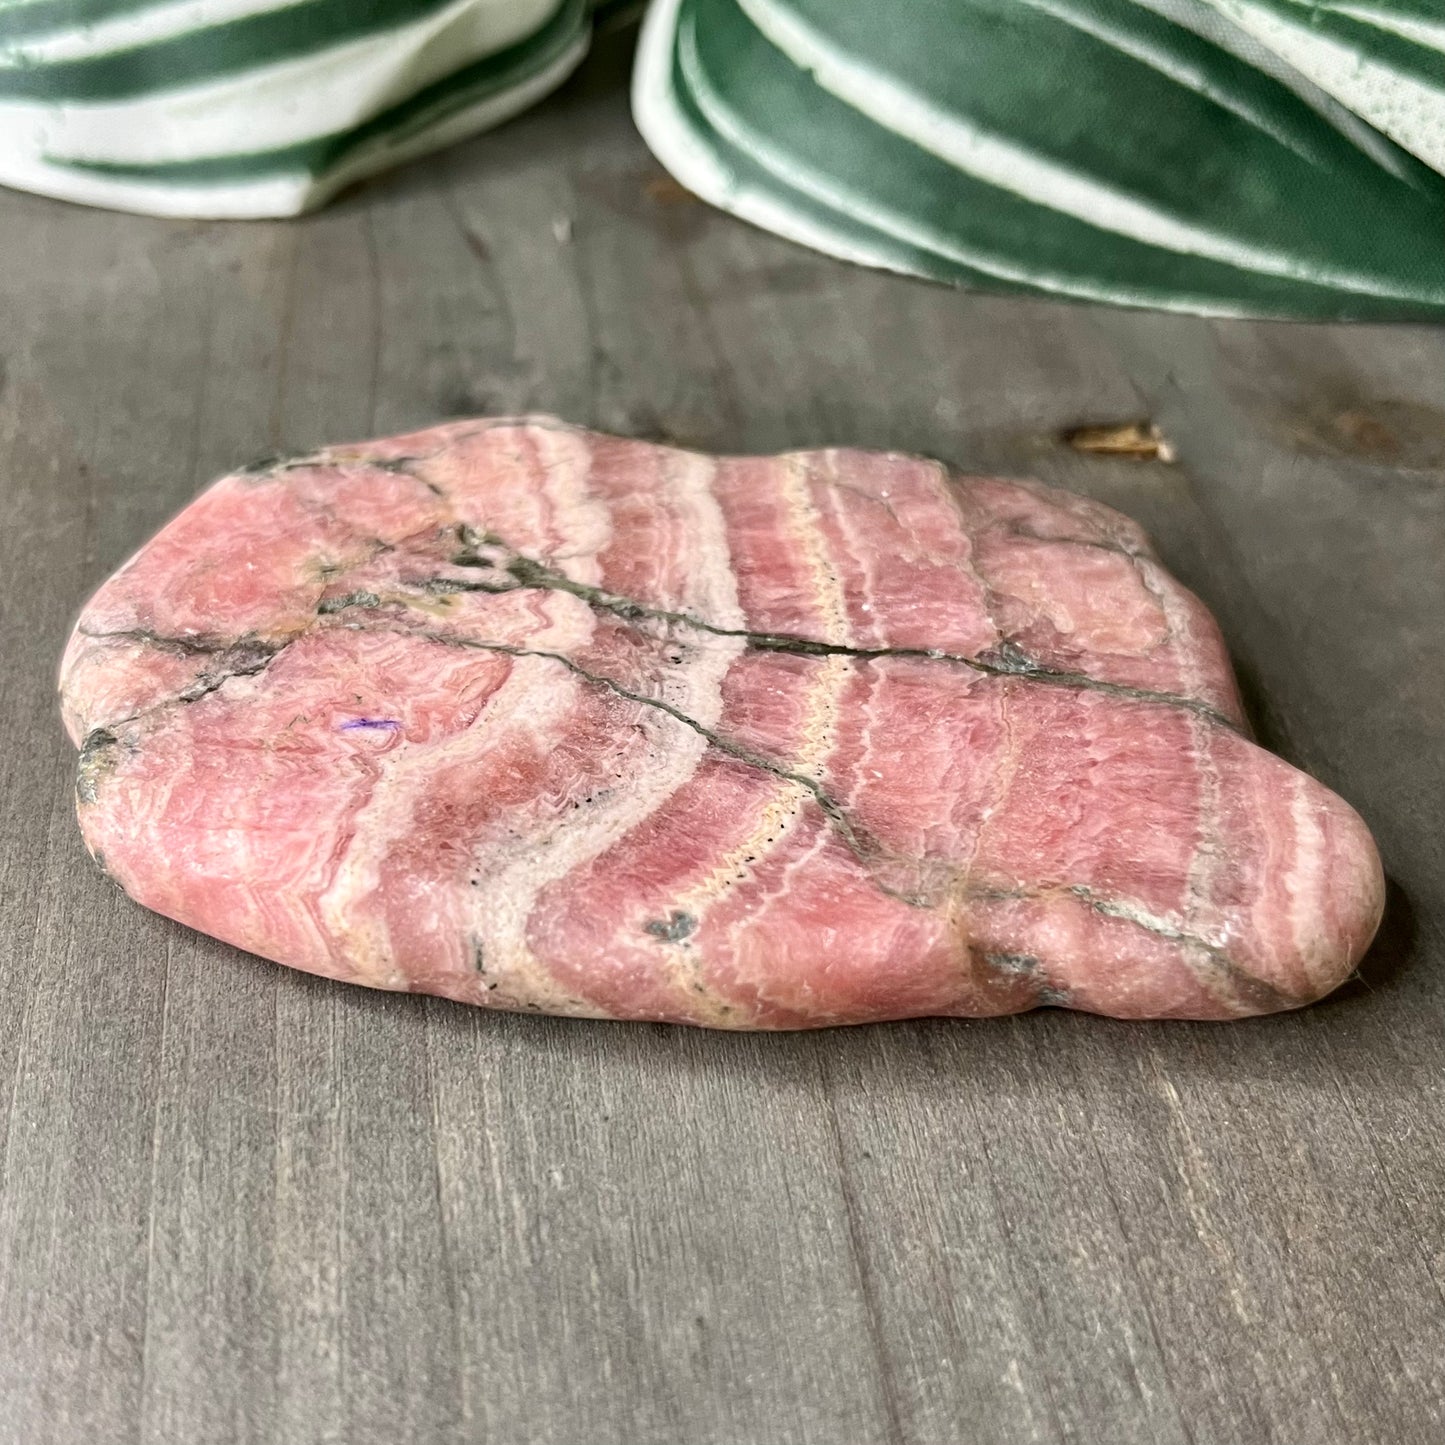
x=239 y=1205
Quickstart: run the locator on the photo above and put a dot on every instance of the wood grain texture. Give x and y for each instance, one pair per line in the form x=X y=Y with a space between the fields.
x=243 y=1205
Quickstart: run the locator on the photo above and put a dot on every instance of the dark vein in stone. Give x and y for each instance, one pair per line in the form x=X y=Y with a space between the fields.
x=243 y=658
x=253 y=656
x=96 y=760
x=1007 y=660
x=349 y=599
x=528 y=574
x=1249 y=988
x=247 y=664
x=1030 y=968
x=197 y=646
x=273 y=466
x=859 y=843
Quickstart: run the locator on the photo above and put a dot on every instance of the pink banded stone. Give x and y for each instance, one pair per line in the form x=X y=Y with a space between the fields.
x=536 y=718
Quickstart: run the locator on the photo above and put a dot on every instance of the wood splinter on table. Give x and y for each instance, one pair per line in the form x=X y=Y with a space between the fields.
x=1141 y=441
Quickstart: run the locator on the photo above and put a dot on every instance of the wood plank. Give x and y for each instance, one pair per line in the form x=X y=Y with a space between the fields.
x=244 y=1205
x=78 y=1064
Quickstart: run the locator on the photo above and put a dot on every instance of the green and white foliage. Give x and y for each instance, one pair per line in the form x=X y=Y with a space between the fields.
x=1148 y=152
x=259 y=107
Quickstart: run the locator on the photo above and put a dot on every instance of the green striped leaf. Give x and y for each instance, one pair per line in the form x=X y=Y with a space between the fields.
x=1084 y=147
x=258 y=107
x=27 y=18
x=1384 y=59
x=122 y=68
x=490 y=76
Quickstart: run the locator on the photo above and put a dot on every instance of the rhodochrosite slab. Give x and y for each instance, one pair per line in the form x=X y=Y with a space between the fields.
x=537 y=718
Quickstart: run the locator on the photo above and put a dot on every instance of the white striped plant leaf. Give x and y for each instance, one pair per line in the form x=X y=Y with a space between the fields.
x=1384 y=59
x=1092 y=148
x=259 y=107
